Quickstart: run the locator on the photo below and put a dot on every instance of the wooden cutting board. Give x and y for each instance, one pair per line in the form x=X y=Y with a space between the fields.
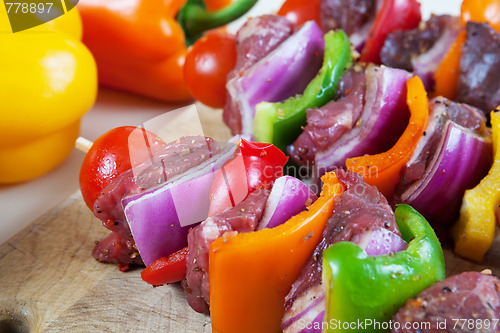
x=49 y=282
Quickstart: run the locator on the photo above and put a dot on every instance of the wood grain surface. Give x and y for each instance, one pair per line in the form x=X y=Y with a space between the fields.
x=49 y=282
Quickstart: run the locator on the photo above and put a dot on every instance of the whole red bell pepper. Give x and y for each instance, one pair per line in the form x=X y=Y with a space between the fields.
x=140 y=45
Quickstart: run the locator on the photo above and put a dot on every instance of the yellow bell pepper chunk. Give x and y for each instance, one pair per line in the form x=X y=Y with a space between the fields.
x=48 y=82
x=475 y=230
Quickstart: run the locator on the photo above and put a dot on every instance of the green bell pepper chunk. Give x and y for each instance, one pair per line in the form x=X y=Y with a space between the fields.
x=195 y=19
x=281 y=123
x=367 y=290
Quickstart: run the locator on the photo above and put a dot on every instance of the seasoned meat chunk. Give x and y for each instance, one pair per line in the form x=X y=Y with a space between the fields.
x=327 y=124
x=369 y=120
x=348 y=15
x=443 y=117
x=445 y=306
x=355 y=17
x=244 y=217
x=176 y=158
x=255 y=39
x=441 y=111
x=478 y=82
x=360 y=211
x=421 y=50
x=401 y=47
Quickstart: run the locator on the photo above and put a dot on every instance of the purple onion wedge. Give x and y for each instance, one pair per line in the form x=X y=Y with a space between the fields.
x=159 y=218
x=284 y=72
x=382 y=120
x=461 y=160
x=288 y=197
x=379 y=241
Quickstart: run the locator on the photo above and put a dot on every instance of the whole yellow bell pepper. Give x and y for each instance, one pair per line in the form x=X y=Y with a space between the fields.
x=48 y=81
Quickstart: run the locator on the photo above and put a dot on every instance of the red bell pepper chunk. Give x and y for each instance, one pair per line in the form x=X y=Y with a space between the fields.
x=255 y=164
x=166 y=270
x=263 y=163
x=394 y=15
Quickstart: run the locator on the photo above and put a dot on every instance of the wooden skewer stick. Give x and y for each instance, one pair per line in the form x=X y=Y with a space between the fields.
x=83 y=144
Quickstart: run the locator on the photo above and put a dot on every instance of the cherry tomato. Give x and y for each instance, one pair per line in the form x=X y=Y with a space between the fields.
x=207 y=64
x=110 y=155
x=481 y=11
x=166 y=270
x=394 y=15
x=301 y=11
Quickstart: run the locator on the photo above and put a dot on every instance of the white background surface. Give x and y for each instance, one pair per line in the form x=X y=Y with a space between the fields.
x=21 y=204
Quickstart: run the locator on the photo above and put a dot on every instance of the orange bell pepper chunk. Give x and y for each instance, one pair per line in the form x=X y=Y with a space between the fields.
x=251 y=273
x=383 y=170
x=481 y=11
x=475 y=229
x=446 y=76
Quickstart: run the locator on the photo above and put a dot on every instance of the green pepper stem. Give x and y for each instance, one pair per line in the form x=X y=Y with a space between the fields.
x=195 y=19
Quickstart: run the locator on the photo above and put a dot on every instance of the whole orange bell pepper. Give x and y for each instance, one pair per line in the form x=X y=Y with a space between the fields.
x=251 y=273
x=475 y=229
x=140 y=45
x=383 y=170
